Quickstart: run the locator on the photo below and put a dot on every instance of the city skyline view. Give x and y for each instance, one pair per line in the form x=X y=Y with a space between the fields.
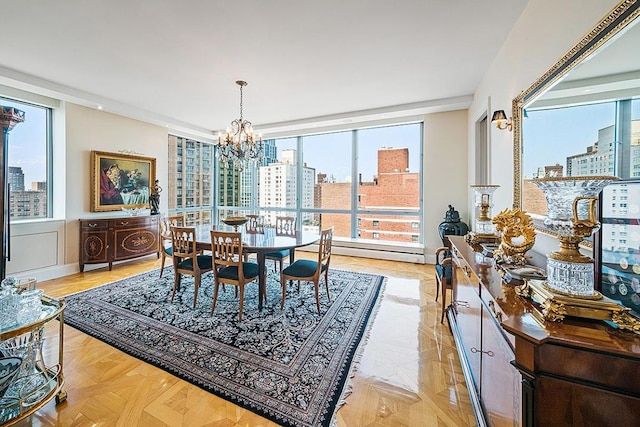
x=330 y=153
x=550 y=136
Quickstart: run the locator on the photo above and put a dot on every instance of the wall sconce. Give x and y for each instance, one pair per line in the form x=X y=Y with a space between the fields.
x=501 y=121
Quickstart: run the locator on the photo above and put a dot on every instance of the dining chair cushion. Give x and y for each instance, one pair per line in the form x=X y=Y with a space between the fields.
x=445 y=271
x=302 y=268
x=278 y=254
x=205 y=262
x=249 y=270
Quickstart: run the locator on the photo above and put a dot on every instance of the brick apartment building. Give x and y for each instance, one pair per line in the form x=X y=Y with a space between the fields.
x=393 y=188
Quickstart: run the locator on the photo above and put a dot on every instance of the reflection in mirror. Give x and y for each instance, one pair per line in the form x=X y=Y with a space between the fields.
x=583 y=115
x=619 y=259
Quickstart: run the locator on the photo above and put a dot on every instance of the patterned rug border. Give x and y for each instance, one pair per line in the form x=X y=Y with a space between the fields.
x=349 y=364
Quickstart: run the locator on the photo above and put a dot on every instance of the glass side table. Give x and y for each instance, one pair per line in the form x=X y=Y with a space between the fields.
x=38 y=380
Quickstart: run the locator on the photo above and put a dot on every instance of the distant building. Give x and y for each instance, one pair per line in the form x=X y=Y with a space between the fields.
x=190 y=173
x=28 y=204
x=39 y=186
x=620 y=202
x=549 y=171
x=247 y=177
x=15 y=178
x=278 y=183
x=601 y=157
x=25 y=204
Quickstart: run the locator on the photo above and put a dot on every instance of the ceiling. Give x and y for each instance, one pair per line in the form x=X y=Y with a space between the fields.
x=176 y=62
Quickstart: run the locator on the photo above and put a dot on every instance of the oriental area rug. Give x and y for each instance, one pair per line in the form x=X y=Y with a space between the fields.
x=291 y=366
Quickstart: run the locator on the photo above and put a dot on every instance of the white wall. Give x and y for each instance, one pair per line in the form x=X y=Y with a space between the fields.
x=88 y=129
x=445 y=175
x=545 y=31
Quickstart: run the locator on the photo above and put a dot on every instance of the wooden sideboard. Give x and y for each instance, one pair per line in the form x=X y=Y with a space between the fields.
x=105 y=240
x=522 y=370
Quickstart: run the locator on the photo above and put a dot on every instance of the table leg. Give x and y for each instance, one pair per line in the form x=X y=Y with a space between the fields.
x=262 y=279
x=292 y=255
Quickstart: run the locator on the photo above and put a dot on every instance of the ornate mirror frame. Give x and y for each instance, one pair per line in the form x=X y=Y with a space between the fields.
x=622 y=15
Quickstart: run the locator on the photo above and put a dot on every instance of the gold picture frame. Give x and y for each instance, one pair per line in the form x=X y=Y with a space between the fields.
x=120 y=181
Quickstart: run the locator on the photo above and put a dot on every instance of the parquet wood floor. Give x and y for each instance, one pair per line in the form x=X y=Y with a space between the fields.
x=409 y=373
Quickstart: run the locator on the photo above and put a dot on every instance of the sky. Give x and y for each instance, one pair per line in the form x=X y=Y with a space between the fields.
x=27 y=143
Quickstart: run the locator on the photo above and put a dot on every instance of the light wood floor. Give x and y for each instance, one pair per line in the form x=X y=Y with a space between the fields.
x=409 y=373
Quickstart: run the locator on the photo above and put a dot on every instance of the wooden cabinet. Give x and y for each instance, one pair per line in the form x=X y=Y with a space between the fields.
x=534 y=372
x=483 y=345
x=106 y=240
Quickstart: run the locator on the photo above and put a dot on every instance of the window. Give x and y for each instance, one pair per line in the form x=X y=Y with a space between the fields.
x=306 y=175
x=193 y=195
x=317 y=179
x=29 y=170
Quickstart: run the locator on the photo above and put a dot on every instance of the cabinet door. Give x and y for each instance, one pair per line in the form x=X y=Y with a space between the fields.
x=500 y=386
x=94 y=241
x=465 y=308
x=134 y=237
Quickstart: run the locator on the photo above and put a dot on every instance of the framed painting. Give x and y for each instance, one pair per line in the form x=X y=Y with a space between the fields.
x=120 y=181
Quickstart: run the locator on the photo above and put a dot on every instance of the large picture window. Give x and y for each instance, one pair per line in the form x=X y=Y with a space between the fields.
x=352 y=180
x=366 y=183
x=29 y=169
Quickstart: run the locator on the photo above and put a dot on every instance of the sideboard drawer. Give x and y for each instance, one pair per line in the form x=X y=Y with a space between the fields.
x=134 y=222
x=94 y=225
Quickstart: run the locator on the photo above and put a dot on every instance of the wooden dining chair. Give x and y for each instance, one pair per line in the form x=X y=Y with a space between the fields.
x=229 y=265
x=444 y=275
x=166 y=222
x=255 y=224
x=187 y=259
x=310 y=270
x=285 y=226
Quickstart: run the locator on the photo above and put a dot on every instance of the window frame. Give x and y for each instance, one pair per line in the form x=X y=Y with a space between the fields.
x=49 y=109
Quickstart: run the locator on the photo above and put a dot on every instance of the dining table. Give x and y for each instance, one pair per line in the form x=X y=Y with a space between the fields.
x=261 y=243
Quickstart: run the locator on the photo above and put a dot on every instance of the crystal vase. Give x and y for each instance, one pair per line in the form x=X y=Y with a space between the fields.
x=483 y=204
x=571 y=206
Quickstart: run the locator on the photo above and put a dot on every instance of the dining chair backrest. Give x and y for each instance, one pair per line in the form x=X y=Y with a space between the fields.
x=183 y=242
x=324 y=246
x=255 y=224
x=167 y=221
x=285 y=225
x=226 y=247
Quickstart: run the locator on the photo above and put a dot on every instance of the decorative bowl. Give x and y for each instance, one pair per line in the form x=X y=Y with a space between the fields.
x=235 y=221
x=9 y=368
x=137 y=211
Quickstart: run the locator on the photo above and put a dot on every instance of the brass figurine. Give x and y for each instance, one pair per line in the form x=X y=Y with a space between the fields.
x=517 y=237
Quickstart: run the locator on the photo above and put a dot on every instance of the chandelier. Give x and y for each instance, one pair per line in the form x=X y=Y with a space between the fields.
x=239 y=145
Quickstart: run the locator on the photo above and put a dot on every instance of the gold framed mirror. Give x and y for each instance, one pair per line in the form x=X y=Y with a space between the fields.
x=601 y=68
